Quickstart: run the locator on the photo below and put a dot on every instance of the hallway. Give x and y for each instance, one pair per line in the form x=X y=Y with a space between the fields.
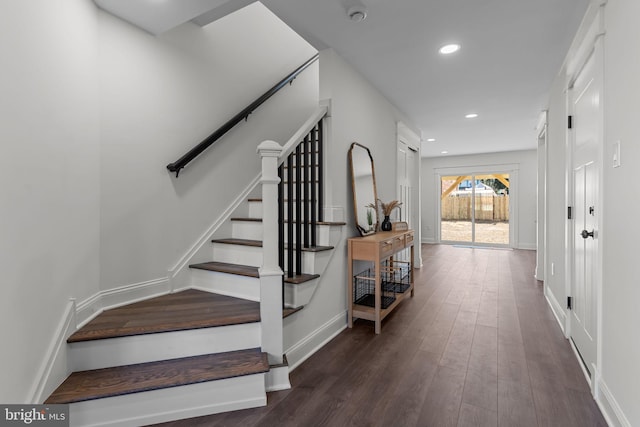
x=476 y=346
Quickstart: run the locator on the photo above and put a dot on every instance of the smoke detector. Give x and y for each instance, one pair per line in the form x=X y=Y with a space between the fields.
x=357 y=13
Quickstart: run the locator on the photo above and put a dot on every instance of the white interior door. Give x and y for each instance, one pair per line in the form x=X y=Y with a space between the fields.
x=586 y=94
x=406 y=177
x=406 y=162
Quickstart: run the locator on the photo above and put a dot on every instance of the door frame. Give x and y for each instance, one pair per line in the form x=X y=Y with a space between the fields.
x=511 y=169
x=541 y=218
x=592 y=43
x=405 y=136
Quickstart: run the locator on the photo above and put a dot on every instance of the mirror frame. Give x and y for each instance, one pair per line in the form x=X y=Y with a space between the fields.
x=362 y=230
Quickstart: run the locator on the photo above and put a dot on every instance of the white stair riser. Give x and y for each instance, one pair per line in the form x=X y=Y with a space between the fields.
x=106 y=353
x=237 y=254
x=297 y=295
x=255 y=209
x=251 y=230
x=329 y=235
x=312 y=262
x=226 y=284
x=169 y=404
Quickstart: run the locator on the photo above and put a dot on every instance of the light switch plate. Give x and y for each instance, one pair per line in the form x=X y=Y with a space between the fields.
x=616 y=154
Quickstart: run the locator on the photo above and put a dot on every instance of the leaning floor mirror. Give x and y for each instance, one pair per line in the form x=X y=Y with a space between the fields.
x=363 y=184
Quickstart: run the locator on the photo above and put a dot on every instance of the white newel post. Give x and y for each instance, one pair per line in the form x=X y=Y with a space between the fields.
x=270 y=272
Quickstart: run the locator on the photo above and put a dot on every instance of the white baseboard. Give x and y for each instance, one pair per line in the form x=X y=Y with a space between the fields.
x=54 y=366
x=556 y=308
x=527 y=246
x=313 y=342
x=116 y=297
x=277 y=378
x=609 y=407
x=429 y=240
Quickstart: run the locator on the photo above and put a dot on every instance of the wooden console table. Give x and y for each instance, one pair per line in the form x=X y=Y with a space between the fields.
x=379 y=249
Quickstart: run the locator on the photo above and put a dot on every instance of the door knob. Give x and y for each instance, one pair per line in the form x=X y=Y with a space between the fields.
x=586 y=234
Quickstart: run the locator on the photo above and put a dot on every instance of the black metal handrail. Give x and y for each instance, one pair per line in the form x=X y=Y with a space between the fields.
x=244 y=114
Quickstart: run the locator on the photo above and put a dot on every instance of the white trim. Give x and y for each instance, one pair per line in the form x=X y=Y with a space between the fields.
x=587 y=43
x=558 y=312
x=303 y=131
x=317 y=339
x=277 y=378
x=53 y=369
x=117 y=297
x=585 y=372
x=513 y=169
x=609 y=407
x=429 y=240
x=410 y=138
x=527 y=247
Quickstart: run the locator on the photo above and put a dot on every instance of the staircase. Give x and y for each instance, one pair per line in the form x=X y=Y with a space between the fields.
x=179 y=355
x=212 y=347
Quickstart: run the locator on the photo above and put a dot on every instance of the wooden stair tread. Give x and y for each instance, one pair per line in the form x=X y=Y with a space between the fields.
x=121 y=380
x=286 y=312
x=242 y=242
x=300 y=278
x=287 y=221
x=314 y=248
x=225 y=267
x=258 y=244
x=248 y=271
x=319 y=222
x=190 y=309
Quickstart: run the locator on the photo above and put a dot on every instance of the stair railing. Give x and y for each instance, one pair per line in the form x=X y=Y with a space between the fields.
x=300 y=209
x=242 y=115
x=302 y=157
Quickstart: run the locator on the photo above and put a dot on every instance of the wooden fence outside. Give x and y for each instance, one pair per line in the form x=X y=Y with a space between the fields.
x=488 y=208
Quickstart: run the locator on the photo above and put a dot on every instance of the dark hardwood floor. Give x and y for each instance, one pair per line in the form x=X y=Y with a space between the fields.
x=476 y=346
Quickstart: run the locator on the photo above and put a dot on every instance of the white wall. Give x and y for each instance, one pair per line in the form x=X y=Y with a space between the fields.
x=93 y=110
x=359 y=113
x=525 y=161
x=620 y=235
x=160 y=97
x=49 y=197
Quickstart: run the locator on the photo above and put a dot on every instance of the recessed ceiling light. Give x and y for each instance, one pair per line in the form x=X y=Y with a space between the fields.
x=444 y=152
x=431 y=140
x=449 y=49
x=357 y=13
x=471 y=116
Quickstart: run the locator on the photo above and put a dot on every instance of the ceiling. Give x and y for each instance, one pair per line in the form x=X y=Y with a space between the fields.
x=510 y=53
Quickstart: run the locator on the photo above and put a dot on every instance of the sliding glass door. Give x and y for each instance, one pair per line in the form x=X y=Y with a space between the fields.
x=475 y=209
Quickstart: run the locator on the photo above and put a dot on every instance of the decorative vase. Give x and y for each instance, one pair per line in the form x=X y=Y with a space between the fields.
x=386 y=224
